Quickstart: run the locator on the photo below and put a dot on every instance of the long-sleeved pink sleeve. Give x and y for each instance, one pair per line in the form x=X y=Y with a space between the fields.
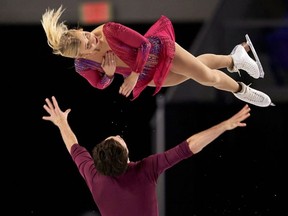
x=129 y=45
x=96 y=79
x=89 y=71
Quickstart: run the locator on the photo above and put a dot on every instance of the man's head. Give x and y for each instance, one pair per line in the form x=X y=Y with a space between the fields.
x=111 y=156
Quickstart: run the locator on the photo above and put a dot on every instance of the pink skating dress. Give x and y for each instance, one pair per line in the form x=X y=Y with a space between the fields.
x=150 y=55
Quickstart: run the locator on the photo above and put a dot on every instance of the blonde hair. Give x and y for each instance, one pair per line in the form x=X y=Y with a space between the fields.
x=62 y=40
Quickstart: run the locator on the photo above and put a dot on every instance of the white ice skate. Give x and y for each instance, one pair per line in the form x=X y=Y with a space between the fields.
x=242 y=61
x=249 y=42
x=253 y=96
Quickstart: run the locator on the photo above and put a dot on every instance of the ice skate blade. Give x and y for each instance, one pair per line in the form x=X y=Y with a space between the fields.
x=249 y=42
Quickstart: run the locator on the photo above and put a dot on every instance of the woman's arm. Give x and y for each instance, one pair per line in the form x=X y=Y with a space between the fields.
x=129 y=83
x=96 y=79
x=89 y=70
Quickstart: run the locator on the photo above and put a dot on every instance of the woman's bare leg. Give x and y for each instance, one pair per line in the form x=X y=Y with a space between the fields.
x=216 y=61
x=186 y=64
x=172 y=79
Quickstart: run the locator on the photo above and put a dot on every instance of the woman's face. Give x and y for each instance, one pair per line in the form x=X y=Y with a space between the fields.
x=89 y=43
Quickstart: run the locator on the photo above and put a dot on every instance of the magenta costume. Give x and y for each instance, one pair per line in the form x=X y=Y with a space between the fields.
x=134 y=192
x=149 y=55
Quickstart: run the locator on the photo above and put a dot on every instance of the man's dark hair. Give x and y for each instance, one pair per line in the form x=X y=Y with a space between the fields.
x=110 y=157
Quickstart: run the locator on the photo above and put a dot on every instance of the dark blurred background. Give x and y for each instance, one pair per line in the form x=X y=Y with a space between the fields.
x=241 y=173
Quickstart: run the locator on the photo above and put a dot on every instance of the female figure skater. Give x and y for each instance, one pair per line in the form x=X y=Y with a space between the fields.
x=154 y=59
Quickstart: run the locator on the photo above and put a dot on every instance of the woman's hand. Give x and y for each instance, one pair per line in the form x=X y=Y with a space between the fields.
x=129 y=84
x=109 y=64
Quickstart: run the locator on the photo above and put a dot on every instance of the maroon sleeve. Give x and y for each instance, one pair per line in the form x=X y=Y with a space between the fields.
x=174 y=155
x=158 y=163
x=84 y=163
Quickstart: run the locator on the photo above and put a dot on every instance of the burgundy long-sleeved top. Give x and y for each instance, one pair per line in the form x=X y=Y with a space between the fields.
x=134 y=192
x=150 y=55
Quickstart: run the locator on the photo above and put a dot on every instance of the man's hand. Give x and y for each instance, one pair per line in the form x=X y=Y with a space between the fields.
x=237 y=119
x=57 y=116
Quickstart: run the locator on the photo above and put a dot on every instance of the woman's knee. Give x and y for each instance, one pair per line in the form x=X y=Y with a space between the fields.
x=211 y=78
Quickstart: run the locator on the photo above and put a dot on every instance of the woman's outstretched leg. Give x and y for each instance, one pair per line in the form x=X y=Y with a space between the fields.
x=186 y=64
x=234 y=62
x=214 y=61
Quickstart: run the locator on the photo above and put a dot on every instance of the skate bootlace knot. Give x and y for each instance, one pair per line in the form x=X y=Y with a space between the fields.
x=253 y=95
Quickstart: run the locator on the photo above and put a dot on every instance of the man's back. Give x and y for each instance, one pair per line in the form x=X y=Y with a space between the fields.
x=134 y=192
